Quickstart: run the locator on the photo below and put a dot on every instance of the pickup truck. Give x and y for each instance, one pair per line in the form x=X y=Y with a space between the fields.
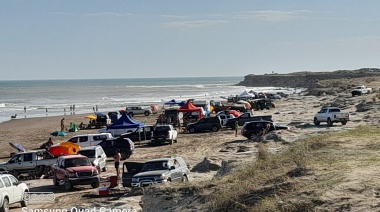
x=246 y=117
x=35 y=163
x=331 y=115
x=162 y=170
x=73 y=170
x=360 y=90
x=164 y=133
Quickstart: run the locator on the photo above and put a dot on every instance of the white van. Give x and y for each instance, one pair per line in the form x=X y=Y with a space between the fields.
x=90 y=139
x=96 y=155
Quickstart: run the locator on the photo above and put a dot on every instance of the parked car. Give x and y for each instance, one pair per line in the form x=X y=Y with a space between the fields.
x=331 y=115
x=90 y=139
x=360 y=90
x=162 y=170
x=224 y=117
x=33 y=162
x=72 y=170
x=11 y=191
x=129 y=170
x=213 y=124
x=136 y=110
x=96 y=155
x=164 y=133
x=125 y=145
x=140 y=134
x=252 y=128
x=246 y=117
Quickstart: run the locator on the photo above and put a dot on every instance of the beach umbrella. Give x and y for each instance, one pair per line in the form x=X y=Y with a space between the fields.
x=17 y=146
x=58 y=133
x=70 y=147
x=91 y=117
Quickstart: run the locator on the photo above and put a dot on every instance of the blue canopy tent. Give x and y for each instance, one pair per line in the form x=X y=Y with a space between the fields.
x=174 y=102
x=125 y=122
x=123 y=125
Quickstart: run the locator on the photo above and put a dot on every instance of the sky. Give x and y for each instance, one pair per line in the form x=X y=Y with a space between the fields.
x=93 y=39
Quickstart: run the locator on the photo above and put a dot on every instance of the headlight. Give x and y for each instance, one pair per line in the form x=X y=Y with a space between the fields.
x=72 y=174
x=95 y=172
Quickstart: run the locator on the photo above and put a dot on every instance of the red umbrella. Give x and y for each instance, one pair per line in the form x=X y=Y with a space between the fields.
x=58 y=150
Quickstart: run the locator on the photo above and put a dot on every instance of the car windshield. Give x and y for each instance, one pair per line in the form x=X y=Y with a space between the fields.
x=162 y=128
x=87 y=153
x=77 y=162
x=158 y=165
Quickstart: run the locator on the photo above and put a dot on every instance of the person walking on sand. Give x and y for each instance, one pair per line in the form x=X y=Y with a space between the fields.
x=236 y=128
x=62 y=124
x=117 y=158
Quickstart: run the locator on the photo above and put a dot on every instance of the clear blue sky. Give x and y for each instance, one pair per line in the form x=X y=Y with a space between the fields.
x=74 y=39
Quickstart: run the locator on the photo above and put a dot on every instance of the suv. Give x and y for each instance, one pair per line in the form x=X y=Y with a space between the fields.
x=11 y=191
x=160 y=171
x=125 y=145
x=96 y=155
x=90 y=139
x=131 y=111
x=205 y=124
x=259 y=128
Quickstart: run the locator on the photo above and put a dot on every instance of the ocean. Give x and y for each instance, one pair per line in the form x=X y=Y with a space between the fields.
x=42 y=98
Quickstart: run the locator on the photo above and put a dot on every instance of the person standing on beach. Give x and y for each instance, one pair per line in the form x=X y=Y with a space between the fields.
x=24 y=109
x=117 y=158
x=236 y=128
x=62 y=124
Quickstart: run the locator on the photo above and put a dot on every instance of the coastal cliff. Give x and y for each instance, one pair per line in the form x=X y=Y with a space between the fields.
x=305 y=79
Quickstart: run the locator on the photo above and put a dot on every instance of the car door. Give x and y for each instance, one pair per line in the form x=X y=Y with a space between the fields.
x=8 y=188
x=59 y=172
x=16 y=162
x=101 y=157
x=17 y=189
x=28 y=162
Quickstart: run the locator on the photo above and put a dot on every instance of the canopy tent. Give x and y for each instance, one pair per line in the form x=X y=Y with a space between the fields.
x=189 y=107
x=174 y=102
x=64 y=148
x=245 y=94
x=125 y=122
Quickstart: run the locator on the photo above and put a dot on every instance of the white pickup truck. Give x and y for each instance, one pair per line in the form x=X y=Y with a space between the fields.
x=331 y=115
x=360 y=90
x=164 y=133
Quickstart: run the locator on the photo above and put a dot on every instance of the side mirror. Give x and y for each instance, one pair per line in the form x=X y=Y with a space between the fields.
x=172 y=167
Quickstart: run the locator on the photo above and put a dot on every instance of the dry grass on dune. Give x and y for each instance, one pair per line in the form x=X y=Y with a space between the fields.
x=330 y=172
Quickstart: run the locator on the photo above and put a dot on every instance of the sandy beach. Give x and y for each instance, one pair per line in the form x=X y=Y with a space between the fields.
x=297 y=111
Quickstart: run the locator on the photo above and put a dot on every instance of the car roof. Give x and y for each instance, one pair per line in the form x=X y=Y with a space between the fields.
x=72 y=156
x=161 y=159
x=89 y=148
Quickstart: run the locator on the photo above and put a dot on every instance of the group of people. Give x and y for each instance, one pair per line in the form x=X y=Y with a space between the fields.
x=162 y=119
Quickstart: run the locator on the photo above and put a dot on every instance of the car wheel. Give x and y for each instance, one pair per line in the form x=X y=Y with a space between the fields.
x=214 y=128
x=95 y=184
x=316 y=122
x=124 y=155
x=24 y=203
x=5 y=207
x=55 y=181
x=175 y=141
x=130 y=114
x=146 y=113
x=344 y=122
x=329 y=122
x=68 y=185
x=171 y=141
x=192 y=130
x=185 y=179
